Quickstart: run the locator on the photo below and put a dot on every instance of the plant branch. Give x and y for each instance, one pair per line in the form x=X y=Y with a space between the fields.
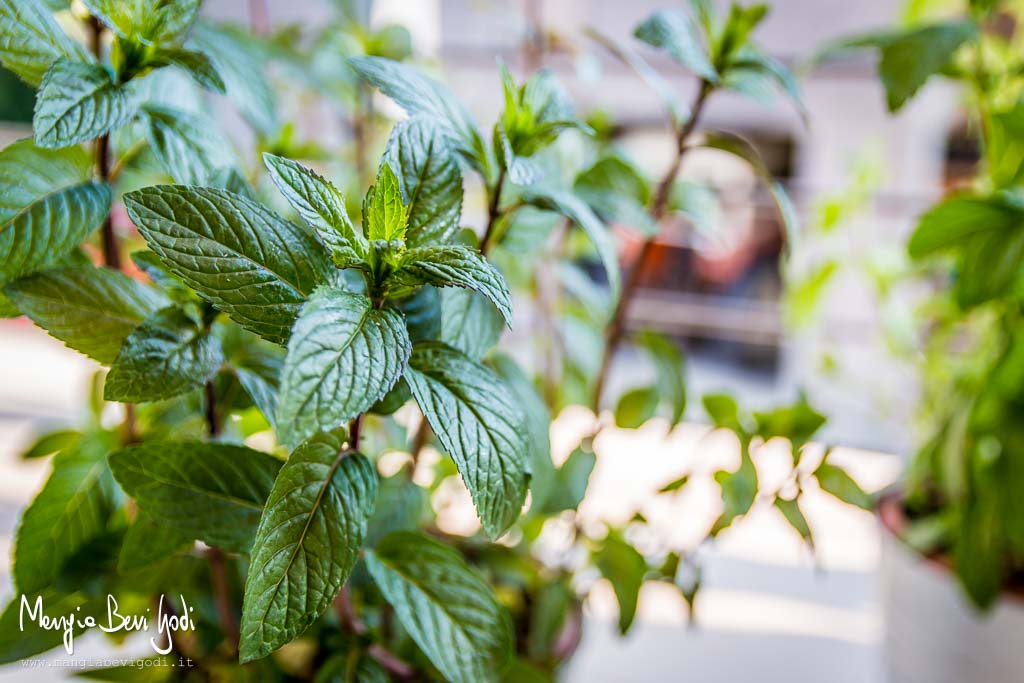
x=222 y=597
x=212 y=417
x=348 y=619
x=493 y=212
x=419 y=441
x=658 y=208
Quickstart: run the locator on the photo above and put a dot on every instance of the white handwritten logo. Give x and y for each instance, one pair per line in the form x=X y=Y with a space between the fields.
x=167 y=622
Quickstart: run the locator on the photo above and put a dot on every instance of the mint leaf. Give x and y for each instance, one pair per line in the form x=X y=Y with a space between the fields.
x=958 y=219
x=188 y=146
x=149 y=21
x=344 y=356
x=455 y=266
x=171 y=353
x=447 y=608
x=575 y=209
x=677 y=108
x=836 y=481
x=422 y=158
x=757 y=62
x=469 y=322
x=92 y=310
x=240 y=256
x=195 y=64
x=320 y=205
x=48 y=205
x=147 y=542
x=71 y=509
x=675 y=32
x=78 y=102
x=239 y=62
x=670 y=367
x=538 y=425
x=211 y=491
x=911 y=58
x=636 y=406
x=384 y=214
x=421 y=95
x=307 y=543
x=31 y=40
x=624 y=568
x=479 y=424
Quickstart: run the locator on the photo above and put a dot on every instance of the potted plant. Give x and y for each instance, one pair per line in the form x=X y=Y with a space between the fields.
x=953 y=531
x=254 y=473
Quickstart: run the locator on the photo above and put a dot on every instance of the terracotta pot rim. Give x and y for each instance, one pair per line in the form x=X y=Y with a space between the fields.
x=893 y=520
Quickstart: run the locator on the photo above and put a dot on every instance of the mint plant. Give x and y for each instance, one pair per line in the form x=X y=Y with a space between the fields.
x=960 y=491
x=269 y=363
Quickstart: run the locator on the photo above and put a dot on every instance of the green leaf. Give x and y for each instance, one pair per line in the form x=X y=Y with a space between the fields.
x=169 y=354
x=51 y=443
x=573 y=208
x=797 y=422
x=239 y=62
x=32 y=41
x=446 y=607
x=69 y=511
x=420 y=95
x=307 y=543
x=678 y=109
x=744 y=149
x=674 y=31
x=384 y=214
x=240 y=256
x=400 y=506
x=790 y=509
x=421 y=156
x=675 y=484
x=479 y=424
x=455 y=266
x=20 y=638
x=92 y=310
x=344 y=356
x=212 y=491
x=990 y=266
x=195 y=64
x=148 y=542
x=671 y=369
x=538 y=424
x=78 y=102
x=469 y=322
x=320 y=205
x=723 y=411
x=739 y=491
x=149 y=21
x=422 y=311
x=48 y=205
x=258 y=371
x=757 y=62
x=624 y=568
x=618 y=192
x=956 y=220
x=571 y=480
x=839 y=483
x=908 y=60
x=636 y=407
x=188 y=146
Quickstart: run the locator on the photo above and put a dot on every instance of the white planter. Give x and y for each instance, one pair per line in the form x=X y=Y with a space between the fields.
x=934 y=635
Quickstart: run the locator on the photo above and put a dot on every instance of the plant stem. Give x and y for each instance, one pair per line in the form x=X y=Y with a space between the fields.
x=493 y=213
x=419 y=440
x=222 y=597
x=355 y=430
x=111 y=250
x=659 y=206
x=212 y=418
x=348 y=619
